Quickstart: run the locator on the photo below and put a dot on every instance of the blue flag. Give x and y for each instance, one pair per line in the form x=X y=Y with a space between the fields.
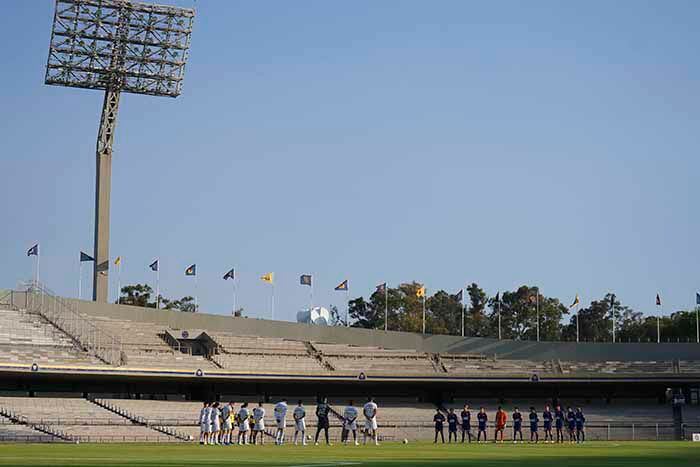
x=230 y=275
x=191 y=271
x=342 y=286
x=697 y=298
x=154 y=265
x=33 y=251
x=84 y=257
x=305 y=279
x=459 y=296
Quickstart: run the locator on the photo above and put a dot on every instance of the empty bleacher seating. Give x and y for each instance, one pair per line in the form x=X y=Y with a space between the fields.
x=264 y=355
x=143 y=347
x=25 y=338
x=617 y=367
x=375 y=360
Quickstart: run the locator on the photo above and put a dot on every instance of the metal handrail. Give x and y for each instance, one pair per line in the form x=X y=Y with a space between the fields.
x=64 y=315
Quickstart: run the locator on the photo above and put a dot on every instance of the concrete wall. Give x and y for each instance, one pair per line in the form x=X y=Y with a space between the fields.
x=391 y=339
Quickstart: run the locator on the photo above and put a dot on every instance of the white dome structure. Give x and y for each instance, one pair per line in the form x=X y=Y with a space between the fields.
x=318 y=315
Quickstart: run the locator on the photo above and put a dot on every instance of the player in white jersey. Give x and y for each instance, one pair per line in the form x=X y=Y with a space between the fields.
x=226 y=427
x=281 y=419
x=299 y=423
x=207 y=424
x=350 y=423
x=243 y=423
x=259 y=425
x=203 y=423
x=370 y=413
x=215 y=424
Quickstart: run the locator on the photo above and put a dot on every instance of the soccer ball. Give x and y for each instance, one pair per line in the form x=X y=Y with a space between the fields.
x=405 y=441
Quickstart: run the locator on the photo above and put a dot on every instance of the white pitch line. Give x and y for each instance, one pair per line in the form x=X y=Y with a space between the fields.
x=327 y=465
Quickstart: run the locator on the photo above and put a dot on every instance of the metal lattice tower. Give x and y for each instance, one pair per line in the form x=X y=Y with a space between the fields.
x=116 y=46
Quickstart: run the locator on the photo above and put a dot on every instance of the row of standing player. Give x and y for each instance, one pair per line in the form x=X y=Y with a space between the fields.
x=573 y=420
x=218 y=422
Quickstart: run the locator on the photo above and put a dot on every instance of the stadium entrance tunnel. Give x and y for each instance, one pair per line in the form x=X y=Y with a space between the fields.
x=191 y=341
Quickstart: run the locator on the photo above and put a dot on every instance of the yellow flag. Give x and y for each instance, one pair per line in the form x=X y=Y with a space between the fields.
x=269 y=277
x=576 y=302
x=420 y=292
x=118 y=261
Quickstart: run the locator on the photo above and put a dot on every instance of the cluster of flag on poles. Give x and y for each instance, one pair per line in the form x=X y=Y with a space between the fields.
x=307 y=280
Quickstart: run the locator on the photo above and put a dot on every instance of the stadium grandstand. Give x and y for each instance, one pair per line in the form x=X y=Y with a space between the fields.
x=84 y=371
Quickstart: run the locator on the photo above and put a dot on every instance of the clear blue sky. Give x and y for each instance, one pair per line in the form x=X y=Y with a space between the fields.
x=508 y=142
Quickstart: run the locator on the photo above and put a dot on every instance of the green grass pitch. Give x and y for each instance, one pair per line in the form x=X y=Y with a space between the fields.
x=597 y=454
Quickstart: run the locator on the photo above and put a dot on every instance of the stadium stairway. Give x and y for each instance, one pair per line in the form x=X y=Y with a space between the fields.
x=436 y=360
x=139 y=420
x=18 y=419
x=316 y=354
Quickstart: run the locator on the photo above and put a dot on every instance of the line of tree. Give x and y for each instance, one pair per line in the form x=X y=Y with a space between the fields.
x=142 y=295
x=518 y=313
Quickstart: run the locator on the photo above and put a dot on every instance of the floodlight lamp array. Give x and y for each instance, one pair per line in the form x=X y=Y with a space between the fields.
x=119 y=45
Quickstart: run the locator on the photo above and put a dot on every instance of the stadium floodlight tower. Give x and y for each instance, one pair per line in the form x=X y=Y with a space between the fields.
x=116 y=46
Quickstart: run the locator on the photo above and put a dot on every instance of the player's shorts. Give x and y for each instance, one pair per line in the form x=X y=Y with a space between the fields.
x=244 y=426
x=323 y=423
x=482 y=427
x=259 y=425
x=207 y=428
x=203 y=427
x=466 y=428
x=350 y=426
x=517 y=427
x=227 y=426
x=281 y=423
x=533 y=428
x=560 y=425
x=500 y=427
x=216 y=426
x=300 y=425
x=547 y=427
x=370 y=424
x=572 y=427
x=452 y=428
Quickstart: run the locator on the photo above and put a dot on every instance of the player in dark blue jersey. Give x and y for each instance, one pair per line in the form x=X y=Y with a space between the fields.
x=482 y=418
x=452 y=422
x=466 y=416
x=571 y=424
x=580 y=422
x=534 y=419
x=517 y=425
x=559 y=423
x=547 y=418
x=439 y=419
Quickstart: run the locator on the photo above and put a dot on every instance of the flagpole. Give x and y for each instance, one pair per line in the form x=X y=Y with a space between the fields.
x=234 y=296
x=577 y=330
x=36 y=270
x=80 y=281
x=499 y=318
x=658 y=323
x=347 y=306
x=311 y=294
x=424 y=312
x=272 y=301
x=386 y=307
x=537 y=307
x=464 y=301
x=119 y=280
x=697 y=324
x=612 y=312
x=195 y=292
x=158 y=286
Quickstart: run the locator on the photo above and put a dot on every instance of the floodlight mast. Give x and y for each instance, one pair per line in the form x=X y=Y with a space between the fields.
x=117 y=46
